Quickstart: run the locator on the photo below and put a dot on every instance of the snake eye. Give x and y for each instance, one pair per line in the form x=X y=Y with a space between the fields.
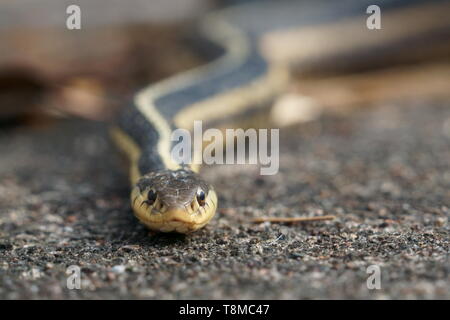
x=201 y=197
x=151 y=197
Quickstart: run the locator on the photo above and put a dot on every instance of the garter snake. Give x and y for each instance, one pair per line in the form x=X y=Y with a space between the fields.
x=167 y=196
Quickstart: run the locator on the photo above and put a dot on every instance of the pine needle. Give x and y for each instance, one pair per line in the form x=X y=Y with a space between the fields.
x=292 y=220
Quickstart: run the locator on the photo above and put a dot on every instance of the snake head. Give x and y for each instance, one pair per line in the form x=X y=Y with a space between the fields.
x=173 y=200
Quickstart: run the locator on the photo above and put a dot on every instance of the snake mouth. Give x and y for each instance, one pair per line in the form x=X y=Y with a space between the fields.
x=174 y=218
x=178 y=215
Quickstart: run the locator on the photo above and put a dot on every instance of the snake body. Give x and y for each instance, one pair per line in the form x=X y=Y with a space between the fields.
x=167 y=196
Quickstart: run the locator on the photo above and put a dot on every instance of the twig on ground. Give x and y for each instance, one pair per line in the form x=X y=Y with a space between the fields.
x=292 y=220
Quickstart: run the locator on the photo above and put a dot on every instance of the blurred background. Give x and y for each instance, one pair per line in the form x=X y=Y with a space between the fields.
x=47 y=69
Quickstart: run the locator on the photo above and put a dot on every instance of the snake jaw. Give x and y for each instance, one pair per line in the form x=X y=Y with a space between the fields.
x=179 y=215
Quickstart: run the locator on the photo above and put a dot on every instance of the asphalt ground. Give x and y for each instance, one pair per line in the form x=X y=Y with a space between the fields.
x=384 y=172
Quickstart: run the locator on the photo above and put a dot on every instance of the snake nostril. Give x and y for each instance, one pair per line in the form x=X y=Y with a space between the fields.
x=194 y=205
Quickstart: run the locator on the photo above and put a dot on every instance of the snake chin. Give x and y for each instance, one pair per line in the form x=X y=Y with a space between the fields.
x=173 y=201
